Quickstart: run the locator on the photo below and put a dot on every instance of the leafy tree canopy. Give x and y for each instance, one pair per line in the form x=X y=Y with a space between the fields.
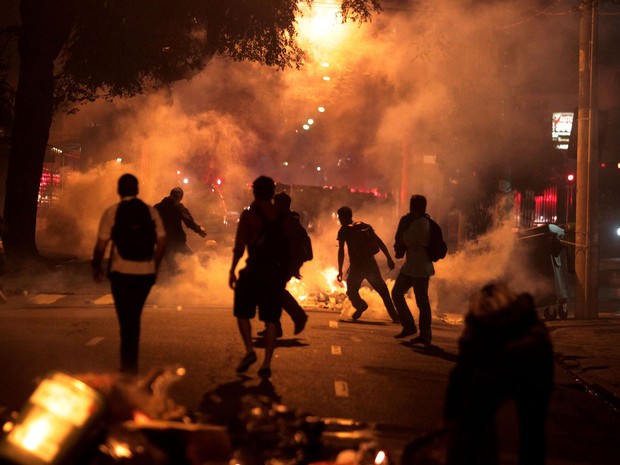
x=121 y=48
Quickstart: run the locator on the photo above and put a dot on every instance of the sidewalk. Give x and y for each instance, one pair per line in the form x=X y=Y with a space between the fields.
x=590 y=351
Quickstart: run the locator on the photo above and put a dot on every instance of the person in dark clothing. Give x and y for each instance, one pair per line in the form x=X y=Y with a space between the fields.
x=174 y=215
x=130 y=280
x=362 y=264
x=504 y=353
x=282 y=201
x=412 y=239
x=261 y=283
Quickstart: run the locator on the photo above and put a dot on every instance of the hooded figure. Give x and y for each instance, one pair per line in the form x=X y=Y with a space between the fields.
x=174 y=214
x=505 y=353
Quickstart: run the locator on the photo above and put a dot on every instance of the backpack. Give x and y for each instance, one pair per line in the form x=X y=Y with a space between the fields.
x=133 y=232
x=437 y=247
x=365 y=241
x=271 y=249
x=301 y=247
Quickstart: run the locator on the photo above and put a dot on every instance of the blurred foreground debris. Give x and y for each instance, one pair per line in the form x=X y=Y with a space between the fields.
x=111 y=418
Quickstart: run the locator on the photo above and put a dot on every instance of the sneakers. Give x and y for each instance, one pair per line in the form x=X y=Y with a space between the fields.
x=421 y=340
x=279 y=333
x=356 y=315
x=406 y=332
x=246 y=362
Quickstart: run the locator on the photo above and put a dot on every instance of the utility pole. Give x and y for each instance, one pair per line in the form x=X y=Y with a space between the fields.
x=586 y=230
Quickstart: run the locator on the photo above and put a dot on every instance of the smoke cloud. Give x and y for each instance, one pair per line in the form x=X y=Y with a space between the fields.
x=422 y=100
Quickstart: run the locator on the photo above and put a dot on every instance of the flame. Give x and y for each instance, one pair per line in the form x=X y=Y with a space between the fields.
x=331 y=274
x=326 y=293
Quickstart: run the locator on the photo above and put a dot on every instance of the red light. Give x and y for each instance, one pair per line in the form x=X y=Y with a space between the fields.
x=603 y=165
x=570 y=177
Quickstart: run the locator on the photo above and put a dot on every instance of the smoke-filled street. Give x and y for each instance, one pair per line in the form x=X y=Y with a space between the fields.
x=336 y=369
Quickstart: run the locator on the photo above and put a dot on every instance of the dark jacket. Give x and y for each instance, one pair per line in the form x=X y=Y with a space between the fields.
x=173 y=214
x=400 y=248
x=511 y=348
x=503 y=355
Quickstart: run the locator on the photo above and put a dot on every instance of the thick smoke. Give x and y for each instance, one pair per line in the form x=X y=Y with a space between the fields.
x=419 y=101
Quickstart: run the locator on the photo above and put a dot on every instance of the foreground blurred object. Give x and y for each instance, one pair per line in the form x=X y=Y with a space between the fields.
x=505 y=354
x=115 y=418
x=62 y=416
x=98 y=419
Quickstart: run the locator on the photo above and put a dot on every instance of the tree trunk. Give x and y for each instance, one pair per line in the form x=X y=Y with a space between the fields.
x=45 y=28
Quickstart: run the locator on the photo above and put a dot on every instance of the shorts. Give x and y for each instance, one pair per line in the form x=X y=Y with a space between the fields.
x=262 y=290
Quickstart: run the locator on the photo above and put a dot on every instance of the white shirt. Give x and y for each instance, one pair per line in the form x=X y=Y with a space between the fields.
x=416 y=238
x=118 y=263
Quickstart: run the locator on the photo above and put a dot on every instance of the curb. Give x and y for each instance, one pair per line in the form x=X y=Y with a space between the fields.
x=604 y=395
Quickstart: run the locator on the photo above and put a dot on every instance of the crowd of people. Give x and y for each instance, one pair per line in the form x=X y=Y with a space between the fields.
x=504 y=351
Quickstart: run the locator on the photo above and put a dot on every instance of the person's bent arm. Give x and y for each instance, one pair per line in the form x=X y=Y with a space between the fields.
x=386 y=252
x=188 y=220
x=340 y=259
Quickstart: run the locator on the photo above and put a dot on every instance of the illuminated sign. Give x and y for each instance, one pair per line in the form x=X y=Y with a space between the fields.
x=561 y=128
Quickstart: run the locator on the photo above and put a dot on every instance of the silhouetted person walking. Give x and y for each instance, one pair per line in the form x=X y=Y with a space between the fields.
x=362 y=244
x=412 y=239
x=265 y=232
x=282 y=201
x=174 y=215
x=505 y=353
x=138 y=243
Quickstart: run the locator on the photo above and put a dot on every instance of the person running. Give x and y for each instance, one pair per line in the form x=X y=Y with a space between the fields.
x=282 y=201
x=174 y=215
x=362 y=244
x=135 y=257
x=412 y=238
x=265 y=232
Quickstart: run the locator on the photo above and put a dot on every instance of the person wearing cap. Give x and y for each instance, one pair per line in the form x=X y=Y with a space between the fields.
x=174 y=215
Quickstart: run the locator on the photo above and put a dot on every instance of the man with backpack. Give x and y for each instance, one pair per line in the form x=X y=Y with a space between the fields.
x=138 y=242
x=301 y=252
x=362 y=245
x=266 y=233
x=412 y=240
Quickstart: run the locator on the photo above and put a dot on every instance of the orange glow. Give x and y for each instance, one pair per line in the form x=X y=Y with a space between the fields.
x=321 y=25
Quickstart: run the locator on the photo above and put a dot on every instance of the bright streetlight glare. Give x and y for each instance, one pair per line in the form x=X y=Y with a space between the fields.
x=310 y=121
x=119 y=160
x=185 y=181
x=327 y=78
x=325 y=64
x=318 y=168
x=306 y=126
x=322 y=24
x=321 y=109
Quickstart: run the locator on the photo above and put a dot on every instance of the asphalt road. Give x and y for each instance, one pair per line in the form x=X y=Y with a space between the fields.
x=335 y=369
